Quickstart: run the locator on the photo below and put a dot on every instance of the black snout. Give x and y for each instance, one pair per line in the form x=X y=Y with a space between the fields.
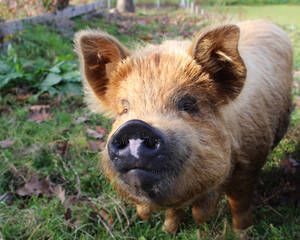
x=137 y=145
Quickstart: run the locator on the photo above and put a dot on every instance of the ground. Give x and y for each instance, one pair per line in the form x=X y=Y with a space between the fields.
x=50 y=183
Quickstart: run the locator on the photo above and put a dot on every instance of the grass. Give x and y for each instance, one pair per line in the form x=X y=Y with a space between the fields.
x=59 y=150
x=286 y=15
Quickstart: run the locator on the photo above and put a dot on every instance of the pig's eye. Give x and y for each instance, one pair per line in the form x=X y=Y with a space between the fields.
x=188 y=104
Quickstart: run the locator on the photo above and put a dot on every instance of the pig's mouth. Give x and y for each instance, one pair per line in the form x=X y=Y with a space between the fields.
x=145 y=182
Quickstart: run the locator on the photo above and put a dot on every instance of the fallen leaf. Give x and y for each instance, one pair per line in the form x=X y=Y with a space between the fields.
x=96 y=145
x=39 y=113
x=9 y=199
x=60 y=193
x=6 y=143
x=22 y=93
x=289 y=165
x=146 y=39
x=12 y=120
x=94 y=134
x=23 y=96
x=101 y=130
x=297 y=101
x=80 y=120
x=70 y=200
x=62 y=146
x=107 y=217
x=36 y=187
x=68 y=214
x=5 y=110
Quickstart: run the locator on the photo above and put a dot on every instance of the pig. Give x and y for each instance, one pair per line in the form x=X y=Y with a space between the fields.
x=193 y=120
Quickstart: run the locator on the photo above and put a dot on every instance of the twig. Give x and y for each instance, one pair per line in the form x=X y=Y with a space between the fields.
x=106 y=227
x=280 y=190
x=100 y=218
x=66 y=151
x=217 y=218
x=78 y=183
x=274 y=211
x=119 y=218
x=225 y=230
x=34 y=231
x=123 y=212
x=198 y=234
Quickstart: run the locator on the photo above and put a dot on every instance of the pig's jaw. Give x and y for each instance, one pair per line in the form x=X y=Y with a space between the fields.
x=147 y=184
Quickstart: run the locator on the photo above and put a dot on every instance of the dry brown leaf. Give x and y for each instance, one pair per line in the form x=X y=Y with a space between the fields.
x=94 y=134
x=289 y=165
x=80 y=120
x=101 y=130
x=70 y=200
x=68 y=214
x=36 y=187
x=146 y=39
x=107 y=217
x=62 y=146
x=6 y=143
x=39 y=113
x=9 y=199
x=96 y=145
x=297 y=101
x=60 y=193
x=5 y=109
x=12 y=120
x=23 y=96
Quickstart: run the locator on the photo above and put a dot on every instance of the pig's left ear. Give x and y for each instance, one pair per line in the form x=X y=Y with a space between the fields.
x=99 y=54
x=217 y=53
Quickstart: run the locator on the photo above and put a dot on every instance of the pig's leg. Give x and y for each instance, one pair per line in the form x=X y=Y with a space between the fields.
x=240 y=192
x=144 y=211
x=173 y=219
x=204 y=207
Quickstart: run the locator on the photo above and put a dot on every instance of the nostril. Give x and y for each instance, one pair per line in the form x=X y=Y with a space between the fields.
x=121 y=143
x=151 y=142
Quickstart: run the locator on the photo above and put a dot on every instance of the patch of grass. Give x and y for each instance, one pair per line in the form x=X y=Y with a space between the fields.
x=44 y=42
x=284 y=15
x=59 y=150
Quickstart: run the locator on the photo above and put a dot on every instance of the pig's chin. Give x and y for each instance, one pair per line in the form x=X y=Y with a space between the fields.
x=146 y=184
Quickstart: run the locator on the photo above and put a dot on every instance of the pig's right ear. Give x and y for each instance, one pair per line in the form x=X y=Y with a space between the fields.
x=217 y=53
x=99 y=55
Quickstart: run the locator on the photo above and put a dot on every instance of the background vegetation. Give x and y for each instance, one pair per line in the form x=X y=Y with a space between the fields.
x=50 y=183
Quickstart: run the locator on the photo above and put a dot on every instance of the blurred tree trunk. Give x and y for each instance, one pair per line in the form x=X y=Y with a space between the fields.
x=61 y=4
x=125 y=6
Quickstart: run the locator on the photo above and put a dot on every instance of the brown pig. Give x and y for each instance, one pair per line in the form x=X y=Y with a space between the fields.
x=193 y=119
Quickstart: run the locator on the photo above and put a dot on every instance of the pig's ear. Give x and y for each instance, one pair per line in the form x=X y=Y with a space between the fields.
x=217 y=53
x=99 y=55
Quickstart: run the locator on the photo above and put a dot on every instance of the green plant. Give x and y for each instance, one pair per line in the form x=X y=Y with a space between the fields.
x=40 y=76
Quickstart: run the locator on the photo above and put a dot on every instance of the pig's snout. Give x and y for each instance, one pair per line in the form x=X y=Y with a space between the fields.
x=137 y=145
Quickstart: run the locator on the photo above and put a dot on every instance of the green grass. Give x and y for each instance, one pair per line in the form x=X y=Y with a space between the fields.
x=40 y=149
x=287 y=15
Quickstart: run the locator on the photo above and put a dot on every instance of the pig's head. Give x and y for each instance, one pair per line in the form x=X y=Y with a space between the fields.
x=168 y=143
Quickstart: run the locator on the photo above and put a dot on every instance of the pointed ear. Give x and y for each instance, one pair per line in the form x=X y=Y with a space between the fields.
x=217 y=53
x=99 y=55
